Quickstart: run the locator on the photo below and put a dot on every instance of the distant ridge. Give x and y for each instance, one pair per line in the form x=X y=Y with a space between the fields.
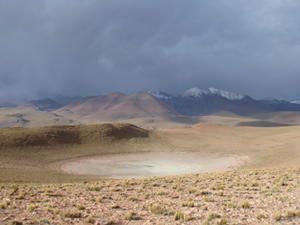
x=43 y=104
x=150 y=106
x=196 y=101
x=197 y=92
x=295 y=101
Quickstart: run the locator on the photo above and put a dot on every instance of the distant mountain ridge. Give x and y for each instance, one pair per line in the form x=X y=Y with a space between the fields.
x=295 y=101
x=46 y=104
x=197 y=92
x=192 y=102
x=196 y=101
x=49 y=104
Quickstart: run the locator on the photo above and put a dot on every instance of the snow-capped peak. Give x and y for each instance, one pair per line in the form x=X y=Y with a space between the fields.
x=160 y=95
x=194 y=92
x=295 y=101
x=226 y=94
x=197 y=92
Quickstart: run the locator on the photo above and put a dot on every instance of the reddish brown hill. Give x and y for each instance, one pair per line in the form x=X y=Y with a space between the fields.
x=117 y=106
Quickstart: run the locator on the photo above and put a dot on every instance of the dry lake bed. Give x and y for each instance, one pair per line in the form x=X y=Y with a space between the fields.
x=138 y=165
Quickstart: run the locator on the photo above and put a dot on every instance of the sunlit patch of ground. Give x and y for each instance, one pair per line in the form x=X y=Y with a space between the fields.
x=149 y=164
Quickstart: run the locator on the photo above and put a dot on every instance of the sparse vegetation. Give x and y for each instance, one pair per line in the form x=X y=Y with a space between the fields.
x=31 y=207
x=90 y=220
x=4 y=203
x=213 y=216
x=80 y=207
x=16 y=223
x=246 y=205
x=190 y=204
x=287 y=216
x=73 y=214
x=132 y=216
x=222 y=222
x=180 y=216
x=246 y=196
x=157 y=209
x=117 y=207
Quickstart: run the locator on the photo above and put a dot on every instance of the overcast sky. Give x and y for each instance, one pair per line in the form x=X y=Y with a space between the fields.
x=84 y=47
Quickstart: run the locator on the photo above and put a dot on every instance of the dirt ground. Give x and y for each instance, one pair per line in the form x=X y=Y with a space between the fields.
x=266 y=190
x=267 y=196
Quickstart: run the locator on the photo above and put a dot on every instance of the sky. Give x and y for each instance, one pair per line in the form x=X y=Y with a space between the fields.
x=79 y=47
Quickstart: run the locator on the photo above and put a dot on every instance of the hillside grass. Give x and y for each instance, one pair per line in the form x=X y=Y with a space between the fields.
x=35 y=154
x=68 y=135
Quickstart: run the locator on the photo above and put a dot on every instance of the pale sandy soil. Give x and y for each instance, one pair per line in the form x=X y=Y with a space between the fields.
x=250 y=195
x=139 y=165
x=265 y=147
x=239 y=197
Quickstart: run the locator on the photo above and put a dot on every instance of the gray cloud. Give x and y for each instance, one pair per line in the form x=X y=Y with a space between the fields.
x=78 y=47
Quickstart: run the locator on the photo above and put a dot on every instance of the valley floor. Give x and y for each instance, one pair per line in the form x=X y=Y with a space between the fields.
x=266 y=190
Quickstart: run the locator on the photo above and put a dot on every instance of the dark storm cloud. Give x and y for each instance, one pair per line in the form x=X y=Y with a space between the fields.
x=79 y=47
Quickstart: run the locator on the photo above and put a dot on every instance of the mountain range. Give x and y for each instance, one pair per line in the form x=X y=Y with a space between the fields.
x=192 y=102
x=196 y=101
x=151 y=106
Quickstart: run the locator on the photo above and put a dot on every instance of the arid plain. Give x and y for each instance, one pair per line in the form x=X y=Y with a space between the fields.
x=262 y=189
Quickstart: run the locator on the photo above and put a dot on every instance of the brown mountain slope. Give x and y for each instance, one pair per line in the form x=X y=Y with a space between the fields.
x=116 y=106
